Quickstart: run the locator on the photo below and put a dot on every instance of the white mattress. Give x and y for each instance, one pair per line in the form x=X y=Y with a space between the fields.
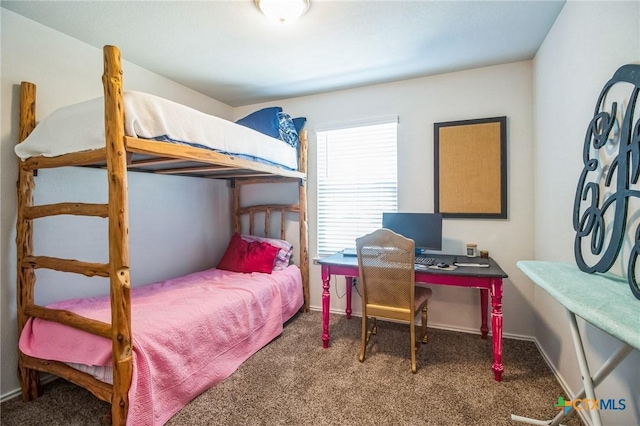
x=80 y=127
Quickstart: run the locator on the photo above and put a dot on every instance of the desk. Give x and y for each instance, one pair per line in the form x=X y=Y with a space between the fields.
x=602 y=300
x=488 y=280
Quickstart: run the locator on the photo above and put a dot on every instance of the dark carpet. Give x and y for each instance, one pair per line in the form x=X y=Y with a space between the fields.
x=294 y=381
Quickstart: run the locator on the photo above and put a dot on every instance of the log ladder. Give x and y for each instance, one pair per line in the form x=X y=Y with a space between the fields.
x=117 y=270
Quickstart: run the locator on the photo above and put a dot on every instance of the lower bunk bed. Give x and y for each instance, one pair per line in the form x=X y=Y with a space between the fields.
x=192 y=332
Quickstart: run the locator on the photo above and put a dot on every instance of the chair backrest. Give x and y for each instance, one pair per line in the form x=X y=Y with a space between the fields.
x=386 y=264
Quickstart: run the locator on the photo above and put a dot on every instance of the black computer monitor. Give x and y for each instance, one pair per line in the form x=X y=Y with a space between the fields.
x=423 y=228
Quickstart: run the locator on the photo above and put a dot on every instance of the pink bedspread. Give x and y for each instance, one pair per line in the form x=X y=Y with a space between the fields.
x=189 y=333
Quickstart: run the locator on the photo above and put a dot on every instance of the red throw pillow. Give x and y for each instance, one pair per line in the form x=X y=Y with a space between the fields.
x=233 y=258
x=260 y=257
x=242 y=256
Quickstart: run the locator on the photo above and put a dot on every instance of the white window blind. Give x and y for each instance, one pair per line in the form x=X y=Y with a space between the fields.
x=357 y=181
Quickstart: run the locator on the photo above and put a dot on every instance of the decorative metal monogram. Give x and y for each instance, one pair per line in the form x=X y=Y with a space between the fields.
x=607 y=201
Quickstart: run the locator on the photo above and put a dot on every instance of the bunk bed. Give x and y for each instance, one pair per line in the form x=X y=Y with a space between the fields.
x=118 y=154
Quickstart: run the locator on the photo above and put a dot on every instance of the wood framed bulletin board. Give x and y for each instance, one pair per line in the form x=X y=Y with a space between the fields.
x=470 y=168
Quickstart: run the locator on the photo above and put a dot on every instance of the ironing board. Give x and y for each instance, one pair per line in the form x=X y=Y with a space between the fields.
x=603 y=300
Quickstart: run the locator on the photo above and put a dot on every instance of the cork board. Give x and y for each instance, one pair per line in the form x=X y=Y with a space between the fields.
x=470 y=168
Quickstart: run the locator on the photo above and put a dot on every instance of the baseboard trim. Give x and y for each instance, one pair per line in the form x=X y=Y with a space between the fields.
x=439 y=326
x=44 y=379
x=476 y=331
x=10 y=395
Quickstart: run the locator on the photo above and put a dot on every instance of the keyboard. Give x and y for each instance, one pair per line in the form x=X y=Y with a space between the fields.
x=425 y=260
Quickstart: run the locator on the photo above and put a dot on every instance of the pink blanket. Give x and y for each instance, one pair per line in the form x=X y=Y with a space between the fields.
x=189 y=333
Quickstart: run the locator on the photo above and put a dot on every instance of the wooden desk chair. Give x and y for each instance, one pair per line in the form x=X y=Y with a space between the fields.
x=386 y=264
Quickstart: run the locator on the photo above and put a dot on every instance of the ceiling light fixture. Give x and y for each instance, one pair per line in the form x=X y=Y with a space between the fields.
x=283 y=12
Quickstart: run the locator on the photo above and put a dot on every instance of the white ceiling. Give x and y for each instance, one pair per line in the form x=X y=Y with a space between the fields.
x=228 y=51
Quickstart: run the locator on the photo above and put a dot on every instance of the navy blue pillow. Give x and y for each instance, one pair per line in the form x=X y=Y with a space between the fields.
x=299 y=122
x=264 y=121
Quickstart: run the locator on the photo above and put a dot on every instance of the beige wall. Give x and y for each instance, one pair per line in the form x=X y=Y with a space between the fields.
x=486 y=92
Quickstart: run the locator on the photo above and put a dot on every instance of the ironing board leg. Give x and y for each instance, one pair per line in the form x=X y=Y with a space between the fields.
x=614 y=360
x=587 y=381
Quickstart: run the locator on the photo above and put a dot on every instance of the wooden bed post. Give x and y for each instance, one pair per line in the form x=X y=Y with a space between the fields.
x=304 y=229
x=29 y=379
x=120 y=290
x=235 y=205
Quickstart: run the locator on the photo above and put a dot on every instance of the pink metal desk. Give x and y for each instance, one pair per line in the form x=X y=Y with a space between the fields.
x=488 y=280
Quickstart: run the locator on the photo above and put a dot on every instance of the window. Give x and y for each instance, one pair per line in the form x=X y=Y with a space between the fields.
x=357 y=181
